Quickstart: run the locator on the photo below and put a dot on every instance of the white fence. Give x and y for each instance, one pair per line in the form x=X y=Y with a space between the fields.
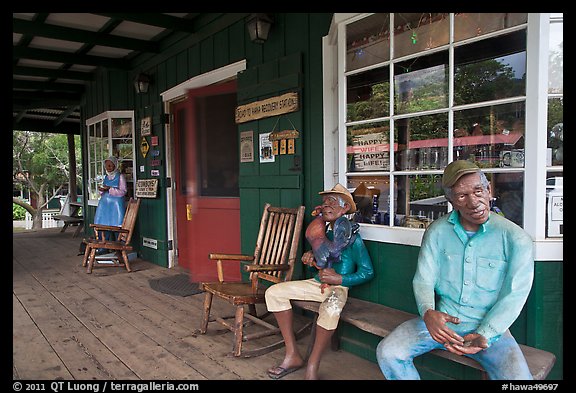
x=48 y=220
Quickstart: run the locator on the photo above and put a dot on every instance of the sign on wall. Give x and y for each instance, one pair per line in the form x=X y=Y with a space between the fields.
x=145 y=126
x=247 y=146
x=274 y=106
x=146 y=188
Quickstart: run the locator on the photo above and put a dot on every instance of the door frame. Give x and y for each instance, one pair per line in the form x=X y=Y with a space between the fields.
x=169 y=97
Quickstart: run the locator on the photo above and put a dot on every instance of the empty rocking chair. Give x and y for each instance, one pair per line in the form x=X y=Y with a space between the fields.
x=272 y=262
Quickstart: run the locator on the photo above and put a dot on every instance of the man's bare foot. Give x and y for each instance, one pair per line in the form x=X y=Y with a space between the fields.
x=311 y=373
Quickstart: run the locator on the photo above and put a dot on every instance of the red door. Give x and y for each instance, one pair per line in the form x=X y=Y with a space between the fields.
x=207 y=192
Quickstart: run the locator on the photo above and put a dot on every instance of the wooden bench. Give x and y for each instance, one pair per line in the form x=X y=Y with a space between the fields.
x=380 y=320
x=73 y=219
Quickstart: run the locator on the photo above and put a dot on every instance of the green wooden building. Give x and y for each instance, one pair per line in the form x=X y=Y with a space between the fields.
x=383 y=100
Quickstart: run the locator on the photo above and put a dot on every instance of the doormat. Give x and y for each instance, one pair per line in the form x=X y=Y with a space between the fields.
x=178 y=285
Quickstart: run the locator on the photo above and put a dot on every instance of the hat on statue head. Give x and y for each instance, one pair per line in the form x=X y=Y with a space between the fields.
x=344 y=193
x=455 y=170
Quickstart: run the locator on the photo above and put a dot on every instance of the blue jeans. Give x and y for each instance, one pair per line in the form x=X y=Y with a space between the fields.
x=502 y=360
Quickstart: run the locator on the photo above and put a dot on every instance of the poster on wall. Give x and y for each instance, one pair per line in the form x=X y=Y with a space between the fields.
x=266 y=154
x=247 y=146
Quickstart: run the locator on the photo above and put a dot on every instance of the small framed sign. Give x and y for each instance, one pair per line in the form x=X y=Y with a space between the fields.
x=146 y=188
x=145 y=126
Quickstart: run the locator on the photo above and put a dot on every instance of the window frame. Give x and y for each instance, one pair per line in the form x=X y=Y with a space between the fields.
x=534 y=209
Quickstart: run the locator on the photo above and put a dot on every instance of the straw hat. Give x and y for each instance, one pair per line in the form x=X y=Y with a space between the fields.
x=344 y=193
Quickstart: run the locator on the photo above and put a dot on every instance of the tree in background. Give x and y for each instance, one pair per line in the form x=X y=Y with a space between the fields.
x=40 y=164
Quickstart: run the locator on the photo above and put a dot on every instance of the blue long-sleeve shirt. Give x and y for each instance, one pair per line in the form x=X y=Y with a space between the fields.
x=483 y=279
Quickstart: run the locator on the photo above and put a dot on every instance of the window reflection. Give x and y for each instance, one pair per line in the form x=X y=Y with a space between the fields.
x=508 y=195
x=368 y=147
x=421 y=142
x=368 y=41
x=368 y=95
x=555 y=152
x=468 y=25
x=491 y=136
x=490 y=69
x=416 y=32
x=421 y=200
x=421 y=84
x=371 y=195
x=556 y=59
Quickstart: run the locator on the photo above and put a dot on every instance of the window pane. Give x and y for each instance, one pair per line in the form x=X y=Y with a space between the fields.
x=121 y=128
x=420 y=200
x=217 y=143
x=490 y=69
x=508 y=194
x=492 y=136
x=368 y=95
x=421 y=84
x=422 y=142
x=467 y=25
x=368 y=147
x=371 y=194
x=416 y=32
x=556 y=59
x=368 y=41
x=555 y=154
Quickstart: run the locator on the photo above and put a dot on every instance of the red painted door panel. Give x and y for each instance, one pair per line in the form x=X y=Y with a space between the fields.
x=206 y=172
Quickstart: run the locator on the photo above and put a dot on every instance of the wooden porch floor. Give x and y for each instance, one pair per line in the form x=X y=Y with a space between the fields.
x=110 y=325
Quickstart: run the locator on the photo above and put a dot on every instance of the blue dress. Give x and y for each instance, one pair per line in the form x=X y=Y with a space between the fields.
x=111 y=209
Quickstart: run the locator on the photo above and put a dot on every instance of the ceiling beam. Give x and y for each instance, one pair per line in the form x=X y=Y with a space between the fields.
x=33 y=100
x=47 y=126
x=78 y=35
x=37 y=85
x=52 y=73
x=67 y=57
x=71 y=109
x=159 y=20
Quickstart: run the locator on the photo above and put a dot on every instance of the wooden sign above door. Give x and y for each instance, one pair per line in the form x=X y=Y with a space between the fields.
x=269 y=107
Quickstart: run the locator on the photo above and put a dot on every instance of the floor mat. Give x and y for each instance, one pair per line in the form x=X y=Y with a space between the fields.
x=178 y=285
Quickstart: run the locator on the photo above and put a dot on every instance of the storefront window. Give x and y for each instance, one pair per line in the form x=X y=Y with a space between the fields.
x=396 y=151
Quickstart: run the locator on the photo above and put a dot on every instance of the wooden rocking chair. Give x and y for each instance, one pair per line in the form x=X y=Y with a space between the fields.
x=272 y=262
x=121 y=246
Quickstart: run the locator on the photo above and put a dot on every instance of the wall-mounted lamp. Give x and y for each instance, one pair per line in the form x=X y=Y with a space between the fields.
x=258 y=27
x=142 y=83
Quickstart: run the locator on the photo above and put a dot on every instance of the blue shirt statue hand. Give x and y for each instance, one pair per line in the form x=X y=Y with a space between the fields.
x=473 y=343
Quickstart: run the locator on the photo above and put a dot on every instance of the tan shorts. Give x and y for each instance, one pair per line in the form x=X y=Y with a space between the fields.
x=278 y=298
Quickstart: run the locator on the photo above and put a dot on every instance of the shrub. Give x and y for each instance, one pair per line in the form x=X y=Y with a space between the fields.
x=18 y=212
